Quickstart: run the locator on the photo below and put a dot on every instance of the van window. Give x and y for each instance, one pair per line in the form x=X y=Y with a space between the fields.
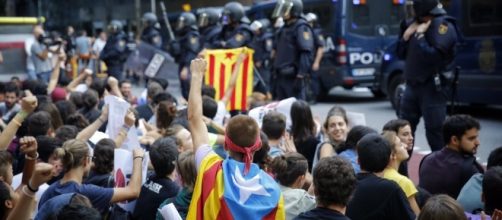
x=361 y=19
x=482 y=18
x=397 y=13
x=325 y=11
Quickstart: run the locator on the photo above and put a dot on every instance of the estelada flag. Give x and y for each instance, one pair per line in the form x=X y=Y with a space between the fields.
x=222 y=191
x=221 y=63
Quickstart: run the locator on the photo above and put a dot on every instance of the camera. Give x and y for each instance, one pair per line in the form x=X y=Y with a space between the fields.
x=49 y=40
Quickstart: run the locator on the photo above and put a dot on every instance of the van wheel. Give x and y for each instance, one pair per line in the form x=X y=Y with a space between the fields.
x=396 y=90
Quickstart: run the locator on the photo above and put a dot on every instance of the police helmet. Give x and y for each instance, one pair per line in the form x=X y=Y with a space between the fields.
x=115 y=26
x=291 y=8
x=311 y=17
x=186 y=20
x=207 y=17
x=423 y=8
x=149 y=18
x=232 y=12
x=260 y=24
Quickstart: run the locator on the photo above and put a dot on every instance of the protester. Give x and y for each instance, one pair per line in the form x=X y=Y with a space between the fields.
x=334 y=183
x=290 y=170
x=240 y=202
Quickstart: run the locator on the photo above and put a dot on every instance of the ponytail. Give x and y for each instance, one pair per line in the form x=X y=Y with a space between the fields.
x=288 y=167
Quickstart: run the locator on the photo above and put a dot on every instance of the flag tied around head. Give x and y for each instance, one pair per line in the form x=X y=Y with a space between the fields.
x=223 y=191
x=221 y=63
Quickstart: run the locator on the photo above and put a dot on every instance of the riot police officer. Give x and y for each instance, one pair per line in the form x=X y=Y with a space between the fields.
x=315 y=84
x=116 y=50
x=185 y=48
x=294 y=51
x=151 y=33
x=427 y=43
x=263 y=46
x=209 y=27
x=236 y=32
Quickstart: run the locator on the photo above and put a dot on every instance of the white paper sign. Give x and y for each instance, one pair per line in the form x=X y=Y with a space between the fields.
x=283 y=107
x=169 y=212
x=122 y=172
x=117 y=110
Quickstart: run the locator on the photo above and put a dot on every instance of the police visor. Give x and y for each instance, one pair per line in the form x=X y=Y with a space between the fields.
x=181 y=23
x=203 y=20
x=282 y=8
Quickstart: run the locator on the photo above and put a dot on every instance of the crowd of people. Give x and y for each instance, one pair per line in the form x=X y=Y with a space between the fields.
x=57 y=152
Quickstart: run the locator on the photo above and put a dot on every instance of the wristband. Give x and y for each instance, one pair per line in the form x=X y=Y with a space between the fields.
x=16 y=122
x=28 y=192
x=136 y=157
x=127 y=128
x=31 y=158
x=31 y=189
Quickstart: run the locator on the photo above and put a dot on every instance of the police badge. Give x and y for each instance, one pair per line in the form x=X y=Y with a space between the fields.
x=306 y=35
x=443 y=28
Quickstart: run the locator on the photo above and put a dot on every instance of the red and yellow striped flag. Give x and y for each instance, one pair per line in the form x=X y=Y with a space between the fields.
x=220 y=66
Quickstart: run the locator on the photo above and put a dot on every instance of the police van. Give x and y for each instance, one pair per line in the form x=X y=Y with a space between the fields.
x=478 y=55
x=356 y=34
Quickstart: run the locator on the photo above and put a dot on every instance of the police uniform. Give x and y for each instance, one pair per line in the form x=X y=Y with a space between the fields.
x=427 y=56
x=294 y=58
x=314 y=79
x=115 y=54
x=235 y=37
x=152 y=36
x=263 y=46
x=209 y=36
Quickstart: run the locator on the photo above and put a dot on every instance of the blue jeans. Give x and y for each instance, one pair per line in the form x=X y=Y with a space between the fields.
x=45 y=76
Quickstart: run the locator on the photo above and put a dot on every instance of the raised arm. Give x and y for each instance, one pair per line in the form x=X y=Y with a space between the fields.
x=233 y=78
x=114 y=87
x=195 y=119
x=28 y=104
x=29 y=149
x=132 y=190
x=55 y=73
x=129 y=120
x=74 y=83
x=88 y=131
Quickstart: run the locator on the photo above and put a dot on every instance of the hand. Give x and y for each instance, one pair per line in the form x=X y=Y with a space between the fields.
x=104 y=113
x=242 y=56
x=410 y=31
x=184 y=74
x=198 y=67
x=315 y=66
x=88 y=72
x=29 y=146
x=112 y=81
x=138 y=152
x=289 y=143
x=61 y=56
x=422 y=28
x=43 y=172
x=129 y=119
x=29 y=104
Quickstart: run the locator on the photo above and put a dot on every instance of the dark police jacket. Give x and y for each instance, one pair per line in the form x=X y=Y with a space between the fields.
x=294 y=49
x=152 y=36
x=209 y=36
x=239 y=36
x=433 y=53
x=187 y=46
x=115 y=51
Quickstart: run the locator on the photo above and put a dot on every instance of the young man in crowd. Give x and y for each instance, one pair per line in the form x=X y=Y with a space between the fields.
x=334 y=182
x=376 y=197
x=455 y=163
x=9 y=106
x=161 y=185
x=232 y=187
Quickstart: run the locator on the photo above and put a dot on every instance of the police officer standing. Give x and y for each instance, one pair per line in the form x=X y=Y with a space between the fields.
x=236 y=32
x=294 y=51
x=185 y=48
x=151 y=33
x=116 y=50
x=263 y=46
x=427 y=44
x=319 y=52
x=209 y=28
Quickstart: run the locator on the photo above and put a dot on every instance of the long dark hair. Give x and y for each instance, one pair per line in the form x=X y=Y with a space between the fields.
x=303 y=125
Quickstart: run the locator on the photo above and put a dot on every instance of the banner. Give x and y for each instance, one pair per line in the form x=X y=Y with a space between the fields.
x=220 y=66
x=117 y=110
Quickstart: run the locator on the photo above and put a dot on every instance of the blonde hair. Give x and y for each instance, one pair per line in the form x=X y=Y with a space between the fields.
x=390 y=136
x=72 y=153
x=185 y=164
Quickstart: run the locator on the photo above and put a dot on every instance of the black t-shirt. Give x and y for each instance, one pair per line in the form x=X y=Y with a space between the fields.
x=377 y=198
x=307 y=148
x=153 y=193
x=322 y=213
